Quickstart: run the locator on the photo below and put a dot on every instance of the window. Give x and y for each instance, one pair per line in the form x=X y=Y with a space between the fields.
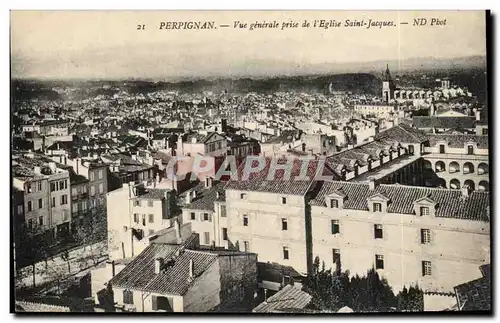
x=151 y=218
x=334 y=204
x=246 y=245
x=378 y=232
x=28 y=188
x=40 y=221
x=441 y=149
x=335 y=226
x=283 y=200
x=40 y=203
x=206 y=235
x=74 y=207
x=205 y=217
x=61 y=185
x=53 y=204
x=426 y=268
x=30 y=206
x=411 y=149
x=224 y=234
x=286 y=253
x=379 y=262
x=243 y=196
x=245 y=220
x=74 y=191
x=92 y=176
x=84 y=206
x=128 y=297
x=64 y=199
x=84 y=189
x=19 y=209
x=100 y=174
x=52 y=187
x=144 y=219
x=39 y=186
x=424 y=210
x=193 y=216
x=65 y=215
x=136 y=218
x=377 y=207
x=150 y=203
x=92 y=191
x=336 y=256
x=30 y=223
x=425 y=236
x=470 y=150
x=485 y=132
x=137 y=203
x=101 y=188
x=284 y=224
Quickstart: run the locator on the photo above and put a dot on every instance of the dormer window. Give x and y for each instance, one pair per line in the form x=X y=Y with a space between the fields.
x=377 y=207
x=336 y=199
x=425 y=206
x=334 y=204
x=470 y=150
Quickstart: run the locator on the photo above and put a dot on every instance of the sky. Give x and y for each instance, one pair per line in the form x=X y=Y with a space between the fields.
x=107 y=44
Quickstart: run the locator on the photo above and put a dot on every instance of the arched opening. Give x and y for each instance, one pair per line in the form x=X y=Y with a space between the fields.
x=482 y=169
x=427 y=164
x=471 y=184
x=455 y=184
x=440 y=166
x=468 y=168
x=483 y=186
x=454 y=167
x=441 y=183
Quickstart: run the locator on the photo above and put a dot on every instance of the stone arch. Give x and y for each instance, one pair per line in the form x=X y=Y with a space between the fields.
x=483 y=186
x=482 y=168
x=468 y=168
x=471 y=184
x=454 y=167
x=440 y=166
x=427 y=164
x=455 y=184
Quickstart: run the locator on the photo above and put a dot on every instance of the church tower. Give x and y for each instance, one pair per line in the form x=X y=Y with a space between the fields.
x=387 y=86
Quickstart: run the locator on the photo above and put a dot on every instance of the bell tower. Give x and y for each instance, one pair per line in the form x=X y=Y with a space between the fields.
x=387 y=86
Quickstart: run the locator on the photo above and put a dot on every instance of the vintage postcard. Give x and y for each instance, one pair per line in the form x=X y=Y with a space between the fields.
x=252 y=162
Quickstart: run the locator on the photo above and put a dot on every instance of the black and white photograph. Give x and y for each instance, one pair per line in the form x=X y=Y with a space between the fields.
x=252 y=162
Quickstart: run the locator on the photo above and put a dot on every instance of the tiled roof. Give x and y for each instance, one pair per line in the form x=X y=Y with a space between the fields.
x=402 y=133
x=153 y=194
x=294 y=185
x=174 y=280
x=205 y=197
x=286 y=136
x=274 y=272
x=289 y=297
x=474 y=295
x=458 y=141
x=444 y=122
x=450 y=203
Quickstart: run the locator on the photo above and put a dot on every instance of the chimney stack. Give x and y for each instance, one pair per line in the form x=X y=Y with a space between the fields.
x=188 y=197
x=158 y=265
x=371 y=183
x=194 y=194
x=191 y=269
x=466 y=190
x=217 y=195
x=52 y=166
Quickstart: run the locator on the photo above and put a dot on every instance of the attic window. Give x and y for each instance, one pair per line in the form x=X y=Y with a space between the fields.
x=424 y=211
x=377 y=207
x=334 y=204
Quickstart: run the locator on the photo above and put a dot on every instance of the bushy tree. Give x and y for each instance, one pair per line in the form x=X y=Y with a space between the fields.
x=332 y=290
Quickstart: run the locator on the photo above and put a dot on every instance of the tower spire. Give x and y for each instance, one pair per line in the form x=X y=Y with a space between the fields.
x=387 y=73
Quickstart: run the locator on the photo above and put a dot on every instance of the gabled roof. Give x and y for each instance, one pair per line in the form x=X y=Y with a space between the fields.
x=403 y=133
x=289 y=297
x=377 y=196
x=296 y=184
x=450 y=203
x=425 y=200
x=174 y=280
x=205 y=197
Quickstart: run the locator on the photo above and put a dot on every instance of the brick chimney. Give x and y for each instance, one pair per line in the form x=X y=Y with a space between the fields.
x=372 y=183
x=158 y=265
